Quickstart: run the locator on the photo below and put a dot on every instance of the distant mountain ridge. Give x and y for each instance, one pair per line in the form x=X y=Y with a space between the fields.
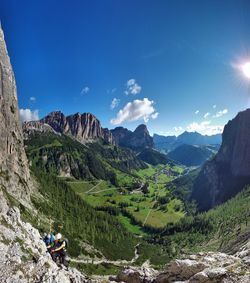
x=169 y=143
x=192 y=155
x=87 y=128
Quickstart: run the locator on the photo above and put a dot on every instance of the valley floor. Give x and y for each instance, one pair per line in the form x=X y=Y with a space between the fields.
x=143 y=208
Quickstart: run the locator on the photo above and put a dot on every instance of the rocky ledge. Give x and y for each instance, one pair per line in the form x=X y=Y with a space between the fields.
x=200 y=268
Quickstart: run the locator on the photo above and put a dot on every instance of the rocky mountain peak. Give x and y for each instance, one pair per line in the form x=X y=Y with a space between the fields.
x=137 y=140
x=83 y=127
x=56 y=120
x=142 y=129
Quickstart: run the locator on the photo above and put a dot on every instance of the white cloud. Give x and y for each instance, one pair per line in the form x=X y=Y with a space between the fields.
x=132 y=87
x=220 y=113
x=197 y=112
x=85 y=90
x=27 y=115
x=32 y=99
x=178 y=129
x=155 y=115
x=206 y=115
x=114 y=103
x=214 y=106
x=136 y=110
x=205 y=128
x=165 y=133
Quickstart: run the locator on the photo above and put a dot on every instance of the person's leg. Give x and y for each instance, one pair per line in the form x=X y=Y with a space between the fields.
x=63 y=258
x=53 y=255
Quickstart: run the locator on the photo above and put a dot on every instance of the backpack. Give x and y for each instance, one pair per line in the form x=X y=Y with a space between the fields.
x=66 y=243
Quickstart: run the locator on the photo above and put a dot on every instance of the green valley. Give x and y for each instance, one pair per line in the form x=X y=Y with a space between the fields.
x=111 y=179
x=99 y=194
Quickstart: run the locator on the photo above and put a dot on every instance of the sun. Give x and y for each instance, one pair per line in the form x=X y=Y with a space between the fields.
x=246 y=70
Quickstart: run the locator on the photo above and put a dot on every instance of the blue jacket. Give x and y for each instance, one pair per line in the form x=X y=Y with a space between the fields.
x=49 y=241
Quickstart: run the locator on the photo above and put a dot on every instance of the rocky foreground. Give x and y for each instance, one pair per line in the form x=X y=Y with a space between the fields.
x=23 y=256
x=200 y=268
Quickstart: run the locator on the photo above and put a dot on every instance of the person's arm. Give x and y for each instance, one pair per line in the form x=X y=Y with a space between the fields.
x=60 y=248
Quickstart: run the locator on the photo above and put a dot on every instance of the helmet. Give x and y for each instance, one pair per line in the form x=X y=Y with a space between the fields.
x=48 y=236
x=58 y=236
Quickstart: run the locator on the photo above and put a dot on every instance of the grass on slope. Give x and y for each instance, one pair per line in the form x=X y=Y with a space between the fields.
x=80 y=222
x=61 y=155
x=142 y=209
x=221 y=228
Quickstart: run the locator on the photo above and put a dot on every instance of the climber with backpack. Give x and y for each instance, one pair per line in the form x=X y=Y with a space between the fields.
x=48 y=239
x=58 y=250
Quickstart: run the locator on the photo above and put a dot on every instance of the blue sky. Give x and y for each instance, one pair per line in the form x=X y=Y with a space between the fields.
x=158 y=61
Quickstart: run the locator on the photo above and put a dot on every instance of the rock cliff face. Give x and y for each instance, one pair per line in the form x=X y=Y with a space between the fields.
x=13 y=161
x=83 y=127
x=137 y=140
x=228 y=173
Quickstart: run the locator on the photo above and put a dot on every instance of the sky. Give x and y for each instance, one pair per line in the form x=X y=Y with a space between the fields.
x=174 y=65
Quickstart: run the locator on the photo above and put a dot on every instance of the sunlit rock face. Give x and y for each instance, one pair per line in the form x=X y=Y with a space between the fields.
x=83 y=127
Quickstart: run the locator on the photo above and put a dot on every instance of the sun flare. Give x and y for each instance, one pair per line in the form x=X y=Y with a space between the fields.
x=246 y=69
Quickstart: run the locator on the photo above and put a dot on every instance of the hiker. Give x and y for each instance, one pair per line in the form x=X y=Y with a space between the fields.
x=48 y=239
x=58 y=249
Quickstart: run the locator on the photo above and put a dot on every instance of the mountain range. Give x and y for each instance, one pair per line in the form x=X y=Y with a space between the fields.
x=189 y=149
x=169 y=143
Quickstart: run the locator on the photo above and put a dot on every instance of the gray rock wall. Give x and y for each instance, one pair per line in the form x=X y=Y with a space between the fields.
x=83 y=127
x=14 y=172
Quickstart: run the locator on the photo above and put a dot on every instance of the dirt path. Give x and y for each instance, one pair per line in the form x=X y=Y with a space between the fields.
x=114 y=262
x=94 y=187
